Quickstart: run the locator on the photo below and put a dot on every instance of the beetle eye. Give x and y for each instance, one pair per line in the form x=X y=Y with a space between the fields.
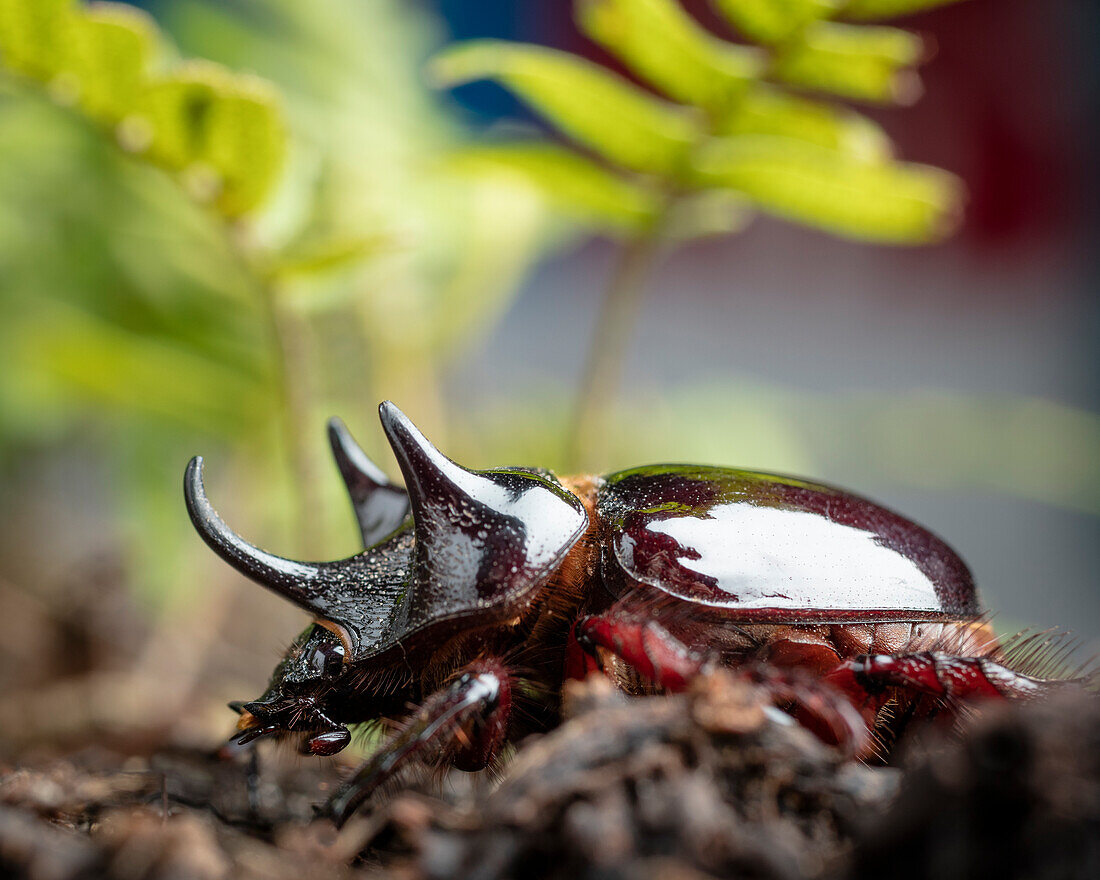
x=327 y=659
x=334 y=661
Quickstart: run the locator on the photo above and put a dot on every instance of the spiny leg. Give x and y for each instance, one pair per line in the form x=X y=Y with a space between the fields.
x=656 y=654
x=821 y=709
x=870 y=680
x=661 y=658
x=467 y=721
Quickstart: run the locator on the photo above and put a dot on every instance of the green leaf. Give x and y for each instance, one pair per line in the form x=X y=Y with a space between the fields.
x=226 y=132
x=32 y=35
x=572 y=184
x=176 y=111
x=774 y=21
x=868 y=10
x=135 y=372
x=245 y=143
x=110 y=49
x=855 y=61
x=332 y=255
x=223 y=131
x=885 y=202
x=768 y=110
x=592 y=105
x=664 y=45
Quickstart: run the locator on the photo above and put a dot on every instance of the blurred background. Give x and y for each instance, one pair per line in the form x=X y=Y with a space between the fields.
x=223 y=222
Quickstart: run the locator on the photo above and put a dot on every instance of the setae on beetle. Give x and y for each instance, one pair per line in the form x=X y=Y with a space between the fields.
x=481 y=590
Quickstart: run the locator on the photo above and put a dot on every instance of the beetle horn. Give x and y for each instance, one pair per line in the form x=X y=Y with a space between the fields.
x=432 y=479
x=301 y=582
x=380 y=507
x=483 y=538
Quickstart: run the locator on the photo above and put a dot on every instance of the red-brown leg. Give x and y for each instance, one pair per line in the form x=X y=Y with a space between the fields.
x=661 y=658
x=869 y=681
x=821 y=709
x=645 y=645
x=467 y=722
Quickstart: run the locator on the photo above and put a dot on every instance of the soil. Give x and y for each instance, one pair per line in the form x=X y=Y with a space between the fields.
x=711 y=783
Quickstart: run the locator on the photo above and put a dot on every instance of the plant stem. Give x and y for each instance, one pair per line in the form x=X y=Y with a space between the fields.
x=290 y=374
x=290 y=365
x=620 y=309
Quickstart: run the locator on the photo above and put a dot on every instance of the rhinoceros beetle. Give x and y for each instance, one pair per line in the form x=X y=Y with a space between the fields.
x=479 y=593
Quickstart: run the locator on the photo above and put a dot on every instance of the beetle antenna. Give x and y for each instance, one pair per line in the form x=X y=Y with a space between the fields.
x=380 y=506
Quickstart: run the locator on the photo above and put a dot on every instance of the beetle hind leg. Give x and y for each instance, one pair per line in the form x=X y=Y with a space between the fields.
x=871 y=679
x=466 y=722
x=942 y=685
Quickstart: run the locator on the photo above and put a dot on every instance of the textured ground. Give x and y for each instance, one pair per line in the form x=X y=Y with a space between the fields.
x=706 y=784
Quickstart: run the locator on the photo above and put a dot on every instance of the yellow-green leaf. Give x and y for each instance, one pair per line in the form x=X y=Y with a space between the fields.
x=222 y=131
x=768 y=110
x=885 y=202
x=333 y=255
x=32 y=35
x=774 y=21
x=225 y=132
x=661 y=43
x=868 y=10
x=855 y=61
x=110 y=48
x=572 y=184
x=589 y=103
x=176 y=109
x=245 y=144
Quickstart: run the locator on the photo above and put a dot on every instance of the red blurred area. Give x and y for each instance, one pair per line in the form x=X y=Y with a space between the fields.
x=1004 y=108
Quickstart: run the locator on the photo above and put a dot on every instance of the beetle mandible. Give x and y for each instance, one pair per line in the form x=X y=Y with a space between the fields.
x=478 y=590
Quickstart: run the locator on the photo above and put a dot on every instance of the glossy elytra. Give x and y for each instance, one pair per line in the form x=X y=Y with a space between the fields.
x=478 y=589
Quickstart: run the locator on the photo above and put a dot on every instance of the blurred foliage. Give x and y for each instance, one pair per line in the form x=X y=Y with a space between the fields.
x=706 y=132
x=310 y=250
x=222 y=132
x=724 y=116
x=195 y=259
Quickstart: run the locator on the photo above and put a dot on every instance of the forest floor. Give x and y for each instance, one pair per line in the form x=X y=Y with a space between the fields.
x=699 y=785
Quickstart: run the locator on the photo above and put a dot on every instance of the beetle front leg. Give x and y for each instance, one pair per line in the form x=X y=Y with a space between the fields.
x=656 y=654
x=466 y=721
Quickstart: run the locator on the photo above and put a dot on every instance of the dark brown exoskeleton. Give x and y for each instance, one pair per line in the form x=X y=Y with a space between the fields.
x=478 y=590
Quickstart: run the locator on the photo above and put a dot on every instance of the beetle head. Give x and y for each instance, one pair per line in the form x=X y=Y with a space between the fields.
x=475 y=549
x=298 y=697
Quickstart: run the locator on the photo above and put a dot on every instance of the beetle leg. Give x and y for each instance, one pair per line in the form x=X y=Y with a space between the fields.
x=648 y=647
x=580 y=661
x=827 y=714
x=869 y=680
x=663 y=659
x=467 y=721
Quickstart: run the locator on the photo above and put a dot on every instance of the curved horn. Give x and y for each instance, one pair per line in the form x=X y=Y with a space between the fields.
x=380 y=507
x=301 y=582
x=429 y=475
x=483 y=538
